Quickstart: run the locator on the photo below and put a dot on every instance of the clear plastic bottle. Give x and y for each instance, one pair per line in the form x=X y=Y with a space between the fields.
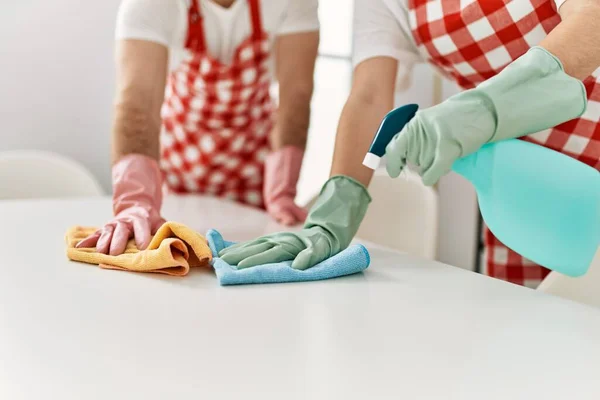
x=540 y=203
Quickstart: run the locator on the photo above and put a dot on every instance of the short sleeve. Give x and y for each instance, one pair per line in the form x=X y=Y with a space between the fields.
x=300 y=16
x=380 y=29
x=559 y=3
x=151 y=20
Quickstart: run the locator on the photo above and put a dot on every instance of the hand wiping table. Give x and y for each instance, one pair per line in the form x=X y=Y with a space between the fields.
x=176 y=248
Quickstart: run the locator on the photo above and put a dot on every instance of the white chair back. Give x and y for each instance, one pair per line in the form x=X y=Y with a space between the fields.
x=28 y=174
x=584 y=289
x=403 y=215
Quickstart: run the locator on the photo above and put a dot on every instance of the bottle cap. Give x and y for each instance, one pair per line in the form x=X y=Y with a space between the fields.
x=372 y=161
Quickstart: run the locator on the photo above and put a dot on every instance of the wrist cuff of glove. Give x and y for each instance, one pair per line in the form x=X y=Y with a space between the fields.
x=359 y=186
x=282 y=170
x=339 y=209
x=137 y=181
x=531 y=94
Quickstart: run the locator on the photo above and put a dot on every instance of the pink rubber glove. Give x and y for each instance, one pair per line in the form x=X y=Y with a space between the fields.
x=137 y=198
x=282 y=169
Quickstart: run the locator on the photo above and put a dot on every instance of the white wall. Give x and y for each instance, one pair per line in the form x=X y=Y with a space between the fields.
x=57 y=78
x=57 y=82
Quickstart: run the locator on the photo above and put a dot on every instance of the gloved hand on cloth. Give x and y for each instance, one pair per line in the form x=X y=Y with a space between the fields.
x=282 y=169
x=137 y=199
x=331 y=224
x=531 y=94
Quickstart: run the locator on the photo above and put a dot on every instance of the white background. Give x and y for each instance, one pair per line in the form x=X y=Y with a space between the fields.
x=57 y=84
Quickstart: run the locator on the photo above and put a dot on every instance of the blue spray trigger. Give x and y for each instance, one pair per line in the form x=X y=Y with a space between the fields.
x=391 y=124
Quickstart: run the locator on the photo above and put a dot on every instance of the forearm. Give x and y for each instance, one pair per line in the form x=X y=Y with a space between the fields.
x=136 y=128
x=359 y=121
x=295 y=57
x=576 y=40
x=292 y=121
x=141 y=76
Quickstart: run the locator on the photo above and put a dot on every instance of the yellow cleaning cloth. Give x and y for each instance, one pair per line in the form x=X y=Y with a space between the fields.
x=173 y=250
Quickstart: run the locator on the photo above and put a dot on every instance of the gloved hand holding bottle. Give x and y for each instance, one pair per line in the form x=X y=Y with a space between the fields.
x=282 y=169
x=137 y=199
x=331 y=224
x=531 y=94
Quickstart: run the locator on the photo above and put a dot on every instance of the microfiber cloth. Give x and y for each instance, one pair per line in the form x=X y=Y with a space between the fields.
x=173 y=250
x=350 y=261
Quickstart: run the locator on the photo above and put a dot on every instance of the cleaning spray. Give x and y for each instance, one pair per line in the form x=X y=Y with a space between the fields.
x=540 y=203
x=387 y=130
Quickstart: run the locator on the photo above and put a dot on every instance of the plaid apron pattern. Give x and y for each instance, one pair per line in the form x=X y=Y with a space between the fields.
x=216 y=118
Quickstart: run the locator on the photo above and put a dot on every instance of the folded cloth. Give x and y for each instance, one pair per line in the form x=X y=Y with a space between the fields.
x=173 y=250
x=350 y=261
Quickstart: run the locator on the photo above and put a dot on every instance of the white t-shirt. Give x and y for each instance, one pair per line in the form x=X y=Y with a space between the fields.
x=165 y=22
x=382 y=28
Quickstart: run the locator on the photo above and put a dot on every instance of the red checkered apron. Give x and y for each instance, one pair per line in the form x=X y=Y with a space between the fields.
x=216 y=117
x=470 y=41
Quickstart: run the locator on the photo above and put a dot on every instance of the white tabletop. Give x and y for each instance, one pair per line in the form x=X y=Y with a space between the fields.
x=405 y=329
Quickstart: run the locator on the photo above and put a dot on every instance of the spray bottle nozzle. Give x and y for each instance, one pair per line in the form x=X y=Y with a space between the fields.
x=391 y=124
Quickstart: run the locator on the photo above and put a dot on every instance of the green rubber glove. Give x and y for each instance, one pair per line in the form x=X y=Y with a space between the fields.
x=531 y=94
x=331 y=224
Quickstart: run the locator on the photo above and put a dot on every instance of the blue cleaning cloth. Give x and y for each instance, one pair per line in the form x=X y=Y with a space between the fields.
x=350 y=261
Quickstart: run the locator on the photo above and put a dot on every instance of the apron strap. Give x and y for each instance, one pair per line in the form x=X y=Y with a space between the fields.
x=256 y=19
x=195 y=40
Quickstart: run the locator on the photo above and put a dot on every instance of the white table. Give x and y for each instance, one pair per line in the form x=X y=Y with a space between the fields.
x=405 y=329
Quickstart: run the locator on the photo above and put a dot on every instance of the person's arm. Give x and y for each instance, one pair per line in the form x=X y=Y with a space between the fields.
x=576 y=40
x=145 y=30
x=381 y=45
x=334 y=218
x=295 y=53
x=136 y=178
x=141 y=76
x=295 y=57
x=343 y=200
x=143 y=34
x=539 y=90
x=371 y=98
